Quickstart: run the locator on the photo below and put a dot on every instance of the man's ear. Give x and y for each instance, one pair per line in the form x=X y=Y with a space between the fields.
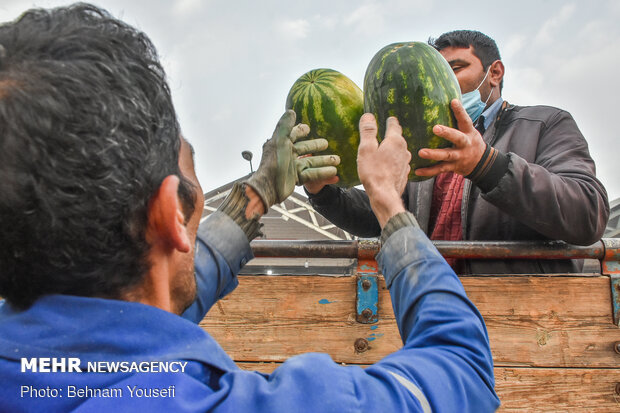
x=166 y=221
x=496 y=73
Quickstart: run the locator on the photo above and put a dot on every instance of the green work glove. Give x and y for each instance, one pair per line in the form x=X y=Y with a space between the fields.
x=280 y=169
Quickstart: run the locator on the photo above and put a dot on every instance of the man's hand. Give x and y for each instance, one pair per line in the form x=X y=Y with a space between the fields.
x=466 y=153
x=383 y=168
x=280 y=169
x=315 y=186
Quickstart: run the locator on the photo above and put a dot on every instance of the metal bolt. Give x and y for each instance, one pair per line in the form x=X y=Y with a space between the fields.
x=617 y=347
x=366 y=284
x=367 y=313
x=361 y=345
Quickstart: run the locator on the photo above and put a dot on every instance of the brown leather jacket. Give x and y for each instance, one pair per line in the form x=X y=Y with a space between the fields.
x=550 y=192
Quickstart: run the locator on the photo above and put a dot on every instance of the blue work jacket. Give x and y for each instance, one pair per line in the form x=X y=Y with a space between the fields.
x=445 y=363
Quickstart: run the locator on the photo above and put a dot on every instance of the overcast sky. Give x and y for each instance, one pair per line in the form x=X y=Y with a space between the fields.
x=231 y=63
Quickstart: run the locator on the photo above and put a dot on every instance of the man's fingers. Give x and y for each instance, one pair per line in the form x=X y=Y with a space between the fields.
x=318 y=174
x=368 y=133
x=311 y=146
x=435 y=169
x=317 y=161
x=457 y=137
x=462 y=118
x=446 y=155
x=393 y=128
x=299 y=131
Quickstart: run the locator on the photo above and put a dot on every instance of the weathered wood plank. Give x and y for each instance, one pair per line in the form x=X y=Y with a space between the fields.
x=526 y=389
x=558 y=390
x=532 y=320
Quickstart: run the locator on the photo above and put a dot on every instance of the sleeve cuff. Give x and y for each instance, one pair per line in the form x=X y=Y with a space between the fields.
x=490 y=169
x=234 y=206
x=407 y=245
x=398 y=221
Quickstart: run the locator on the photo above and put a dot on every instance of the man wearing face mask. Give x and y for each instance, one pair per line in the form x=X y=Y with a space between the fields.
x=514 y=172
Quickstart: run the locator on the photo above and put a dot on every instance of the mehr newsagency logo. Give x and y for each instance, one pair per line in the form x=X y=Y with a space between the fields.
x=72 y=365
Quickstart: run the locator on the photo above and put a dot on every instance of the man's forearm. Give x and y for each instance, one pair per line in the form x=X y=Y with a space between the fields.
x=554 y=191
x=445 y=339
x=571 y=206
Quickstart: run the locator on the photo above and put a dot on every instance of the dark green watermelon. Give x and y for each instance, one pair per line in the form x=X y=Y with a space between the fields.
x=413 y=82
x=331 y=104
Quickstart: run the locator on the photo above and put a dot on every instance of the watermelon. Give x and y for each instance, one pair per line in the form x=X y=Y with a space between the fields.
x=331 y=104
x=413 y=82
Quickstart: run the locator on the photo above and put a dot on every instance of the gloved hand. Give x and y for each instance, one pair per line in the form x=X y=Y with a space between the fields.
x=280 y=168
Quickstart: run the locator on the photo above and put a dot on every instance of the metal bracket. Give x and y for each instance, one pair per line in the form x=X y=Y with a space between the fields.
x=610 y=265
x=367 y=296
x=615 y=297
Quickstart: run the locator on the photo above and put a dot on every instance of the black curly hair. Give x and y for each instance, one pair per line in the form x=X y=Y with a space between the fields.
x=88 y=132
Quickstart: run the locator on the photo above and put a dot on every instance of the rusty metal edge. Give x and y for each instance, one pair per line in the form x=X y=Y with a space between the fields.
x=604 y=250
x=610 y=265
x=615 y=297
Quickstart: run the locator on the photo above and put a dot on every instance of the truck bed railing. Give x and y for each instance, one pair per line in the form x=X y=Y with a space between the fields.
x=607 y=251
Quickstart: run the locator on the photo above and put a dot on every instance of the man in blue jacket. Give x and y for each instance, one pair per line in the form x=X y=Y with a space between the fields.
x=106 y=269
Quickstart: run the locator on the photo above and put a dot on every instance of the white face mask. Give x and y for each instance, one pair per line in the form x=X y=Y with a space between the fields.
x=472 y=101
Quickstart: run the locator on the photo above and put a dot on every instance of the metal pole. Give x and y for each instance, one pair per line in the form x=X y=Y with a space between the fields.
x=367 y=249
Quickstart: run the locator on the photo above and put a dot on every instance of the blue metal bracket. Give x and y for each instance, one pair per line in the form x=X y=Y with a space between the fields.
x=610 y=265
x=615 y=297
x=367 y=297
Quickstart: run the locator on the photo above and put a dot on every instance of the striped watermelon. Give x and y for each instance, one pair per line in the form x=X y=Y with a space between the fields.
x=331 y=104
x=413 y=82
